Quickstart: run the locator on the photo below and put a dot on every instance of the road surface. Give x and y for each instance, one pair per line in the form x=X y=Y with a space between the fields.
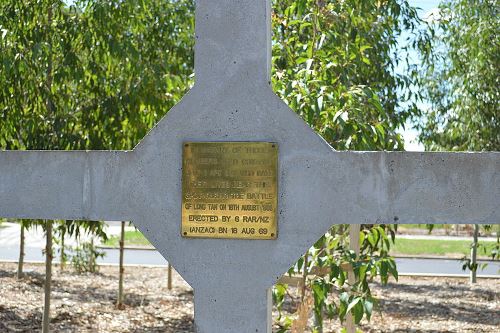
x=9 y=250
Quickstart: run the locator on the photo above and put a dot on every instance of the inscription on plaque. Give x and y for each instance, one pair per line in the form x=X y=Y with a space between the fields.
x=229 y=190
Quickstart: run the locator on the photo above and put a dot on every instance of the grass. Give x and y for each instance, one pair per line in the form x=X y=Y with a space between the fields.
x=420 y=226
x=450 y=228
x=132 y=238
x=403 y=246
x=435 y=247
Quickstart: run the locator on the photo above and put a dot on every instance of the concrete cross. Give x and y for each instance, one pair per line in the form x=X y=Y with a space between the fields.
x=232 y=101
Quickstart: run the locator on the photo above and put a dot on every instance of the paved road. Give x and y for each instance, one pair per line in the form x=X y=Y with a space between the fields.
x=35 y=237
x=9 y=249
x=148 y=257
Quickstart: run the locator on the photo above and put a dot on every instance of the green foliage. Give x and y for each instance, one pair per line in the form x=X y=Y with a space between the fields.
x=84 y=258
x=327 y=266
x=334 y=64
x=97 y=76
x=136 y=62
x=27 y=224
x=93 y=75
x=490 y=249
x=31 y=34
x=460 y=78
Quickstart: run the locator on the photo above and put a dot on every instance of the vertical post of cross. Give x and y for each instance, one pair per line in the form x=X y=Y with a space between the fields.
x=233 y=47
x=232 y=308
x=233 y=39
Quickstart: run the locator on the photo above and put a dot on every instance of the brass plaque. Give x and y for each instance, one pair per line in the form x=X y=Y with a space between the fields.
x=229 y=190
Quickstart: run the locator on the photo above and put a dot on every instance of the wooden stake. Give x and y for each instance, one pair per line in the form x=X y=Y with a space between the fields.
x=169 y=283
x=119 y=304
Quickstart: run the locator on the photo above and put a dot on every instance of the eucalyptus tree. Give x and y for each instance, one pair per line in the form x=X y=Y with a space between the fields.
x=141 y=62
x=24 y=226
x=91 y=75
x=34 y=37
x=460 y=78
x=135 y=62
x=334 y=64
x=461 y=84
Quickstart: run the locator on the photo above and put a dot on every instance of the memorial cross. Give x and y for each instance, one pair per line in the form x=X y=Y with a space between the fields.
x=232 y=101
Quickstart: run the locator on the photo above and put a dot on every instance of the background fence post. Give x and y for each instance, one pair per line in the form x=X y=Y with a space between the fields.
x=169 y=283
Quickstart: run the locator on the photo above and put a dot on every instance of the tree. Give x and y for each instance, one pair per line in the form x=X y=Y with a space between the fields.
x=48 y=277
x=91 y=75
x=147 y=49
x=461 y=61
x=35 y=37
x=460 y=78
x=24 y=225
x=63 y=229
x=117 y=67
x=32 y=35
x=84 y=258
x=134 y=63
x=334 y=64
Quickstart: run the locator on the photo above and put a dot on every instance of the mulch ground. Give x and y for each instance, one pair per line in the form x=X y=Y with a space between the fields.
x=86 y=303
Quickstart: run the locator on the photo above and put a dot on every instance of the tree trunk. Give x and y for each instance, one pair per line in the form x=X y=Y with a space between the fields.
x=20 y=264
x=473 y=255
x=48 y=244
x=120 y=280
x=354 y=230
x=48 y=278
x=92 y=255
x=63 y=254
x=304 y=276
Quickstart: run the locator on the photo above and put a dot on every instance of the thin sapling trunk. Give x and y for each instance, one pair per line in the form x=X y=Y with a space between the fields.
x=48 y=278
x=20 y=264
x=473 y=255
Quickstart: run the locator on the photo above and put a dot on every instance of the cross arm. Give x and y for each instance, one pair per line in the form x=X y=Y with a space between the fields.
x=89 y=185
x=414 y=187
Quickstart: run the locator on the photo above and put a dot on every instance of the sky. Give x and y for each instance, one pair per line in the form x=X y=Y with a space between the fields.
x=409 y=134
